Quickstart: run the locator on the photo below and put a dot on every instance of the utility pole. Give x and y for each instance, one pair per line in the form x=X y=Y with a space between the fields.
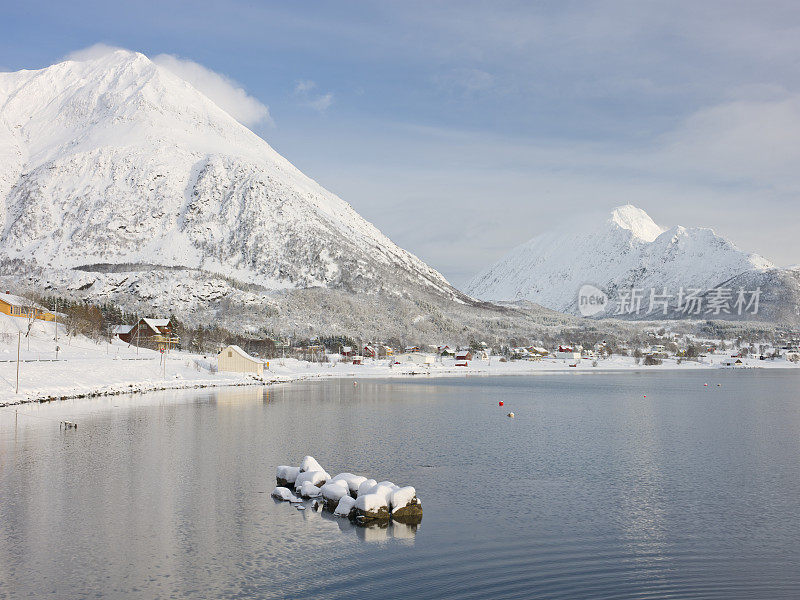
x=19 y=342
x=55 y=303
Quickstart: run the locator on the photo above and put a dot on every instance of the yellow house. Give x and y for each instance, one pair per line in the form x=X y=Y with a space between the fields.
x=17 y=306
x=235 y=360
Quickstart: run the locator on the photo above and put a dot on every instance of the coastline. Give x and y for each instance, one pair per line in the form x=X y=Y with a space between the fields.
x=48 y=380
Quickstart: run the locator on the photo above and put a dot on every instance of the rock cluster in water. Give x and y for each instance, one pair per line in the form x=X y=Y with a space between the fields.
x=363 y=500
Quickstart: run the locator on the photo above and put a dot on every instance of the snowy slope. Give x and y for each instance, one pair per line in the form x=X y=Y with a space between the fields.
x=117 y=161
x=625 y=250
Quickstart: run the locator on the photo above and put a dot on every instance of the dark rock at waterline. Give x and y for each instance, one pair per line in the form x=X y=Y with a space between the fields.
x=410 y=514
x=363 y=517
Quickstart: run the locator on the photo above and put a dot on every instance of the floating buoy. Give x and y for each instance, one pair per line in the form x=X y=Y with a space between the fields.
x=355 y=383
x=510 y=415
x=645 y=395
x=500 y=403
x=705 y=385
x=719 y=385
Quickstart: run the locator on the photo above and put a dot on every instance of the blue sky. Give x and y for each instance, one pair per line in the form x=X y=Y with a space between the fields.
x=462 y=129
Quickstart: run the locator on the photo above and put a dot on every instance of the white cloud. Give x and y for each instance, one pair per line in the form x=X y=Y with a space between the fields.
x=303 y=86
x=321 y=103
x=93 y=52
x=224 y=91
x=748 y=139
x=303 y=89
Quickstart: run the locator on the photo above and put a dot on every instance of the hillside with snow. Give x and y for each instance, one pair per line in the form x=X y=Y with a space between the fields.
x=117 y=161
x=625 y=251
x=120 y=182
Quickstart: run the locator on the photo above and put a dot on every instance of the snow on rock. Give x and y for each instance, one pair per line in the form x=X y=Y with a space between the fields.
x=316 y=478
x=405 y=506
x=334 y=490
x=401 y=497
x=353 y=481
x=344 y=507
x=309 y=490
x=287 y=475
x=385 y=489
x=371 y=503
x=375 y=501
x=309 y=463
x=283 y=493
x=365 y=486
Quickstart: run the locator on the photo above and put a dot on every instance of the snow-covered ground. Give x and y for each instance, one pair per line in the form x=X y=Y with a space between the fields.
x=84 y=367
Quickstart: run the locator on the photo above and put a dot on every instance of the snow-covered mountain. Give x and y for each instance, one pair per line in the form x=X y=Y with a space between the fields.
x=117 y=164
x=626 y=250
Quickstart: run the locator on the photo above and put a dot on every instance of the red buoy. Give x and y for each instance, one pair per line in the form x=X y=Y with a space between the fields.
x=500 y=403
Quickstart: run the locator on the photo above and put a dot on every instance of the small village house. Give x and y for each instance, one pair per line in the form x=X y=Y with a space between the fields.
x=120 y=330
x=417 y=358
x=567 y=352
x=463 y=357
x=233 y=359
x=17 y=306
x=151 y=333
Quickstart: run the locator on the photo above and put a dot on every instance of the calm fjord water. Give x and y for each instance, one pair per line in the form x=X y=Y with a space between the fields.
x=592 y=491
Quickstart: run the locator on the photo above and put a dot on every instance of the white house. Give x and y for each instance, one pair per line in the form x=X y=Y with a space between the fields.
x=417 y=358
x=235 y=360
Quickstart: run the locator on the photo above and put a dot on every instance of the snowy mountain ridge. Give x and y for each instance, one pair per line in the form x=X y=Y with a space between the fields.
x=626 y=250
x=116 y=160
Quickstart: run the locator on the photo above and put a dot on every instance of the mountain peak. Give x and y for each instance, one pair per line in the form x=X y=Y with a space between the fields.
x=112 y=159
x=636 y=221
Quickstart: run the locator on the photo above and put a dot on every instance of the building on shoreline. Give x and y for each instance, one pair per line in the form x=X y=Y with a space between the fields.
x=232 y=359
x=17 y=306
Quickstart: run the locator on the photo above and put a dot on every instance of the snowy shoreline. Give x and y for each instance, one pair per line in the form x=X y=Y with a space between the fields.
x=83 y=368
x=97 y=377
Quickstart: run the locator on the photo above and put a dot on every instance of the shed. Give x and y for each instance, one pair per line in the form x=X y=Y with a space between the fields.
x=235 y=360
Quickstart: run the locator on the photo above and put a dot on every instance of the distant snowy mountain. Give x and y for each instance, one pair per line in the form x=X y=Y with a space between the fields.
x=623 y=252
x=117 y=161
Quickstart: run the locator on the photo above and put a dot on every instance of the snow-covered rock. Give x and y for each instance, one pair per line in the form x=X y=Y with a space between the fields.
x=316 y=478
x=344 y=507
x=405 y=505
x=371 y=507
x=283 y=493
x=309 y=490
x=365 y=486
x=287 y=475
x=309 y=463
x=334 y=490
x=353 y=481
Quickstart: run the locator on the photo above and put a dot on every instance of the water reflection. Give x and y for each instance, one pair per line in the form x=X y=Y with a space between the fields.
x=592 y=491
x=370 y=532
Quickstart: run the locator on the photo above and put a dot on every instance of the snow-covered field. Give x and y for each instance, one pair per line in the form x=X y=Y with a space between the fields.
x=87 y=368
